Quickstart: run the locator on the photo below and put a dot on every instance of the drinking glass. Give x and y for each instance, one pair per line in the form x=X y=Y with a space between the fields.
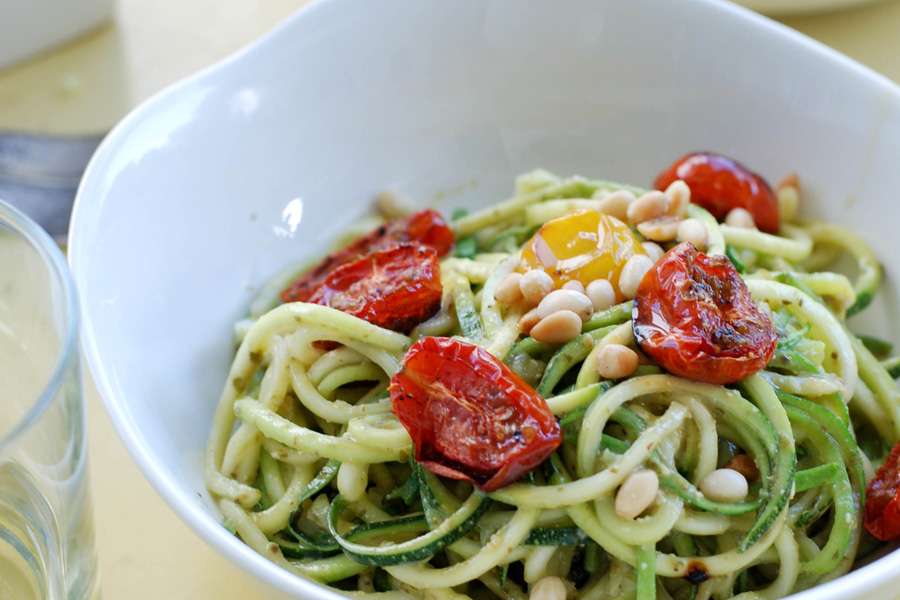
x=46 y=532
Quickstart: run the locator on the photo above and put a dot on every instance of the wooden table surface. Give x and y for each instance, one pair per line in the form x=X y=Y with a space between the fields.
x=146 y=552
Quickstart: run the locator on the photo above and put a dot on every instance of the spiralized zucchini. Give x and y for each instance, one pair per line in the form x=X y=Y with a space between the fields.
x=294 y=410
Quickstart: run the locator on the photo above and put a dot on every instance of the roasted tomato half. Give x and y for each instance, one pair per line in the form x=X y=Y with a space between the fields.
x=426 y=227
x=882 y=517
x=469 y=416
x=694 y=316
x=397 y=288
x=719 y=184
x=582 y=246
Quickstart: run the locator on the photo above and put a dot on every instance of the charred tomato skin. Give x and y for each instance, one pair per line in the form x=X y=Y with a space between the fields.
x=694 y=316
x=426 y=227
x=396 y=288
x=720 y=184
x=469 y=416
x=882 y=513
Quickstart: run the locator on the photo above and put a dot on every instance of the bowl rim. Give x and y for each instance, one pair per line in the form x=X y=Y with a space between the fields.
x=198 y=519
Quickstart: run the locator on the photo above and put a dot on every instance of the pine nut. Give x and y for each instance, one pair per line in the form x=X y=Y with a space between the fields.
x=615 y=361
x=654 y=251
x=391 y=206
x=661 y=229
x=724 y=485
x=678 y=195
x=632 y=273
x=548 y=588
x=601 y=294
x=508 y=290
x=788 y=203
x=534 y=285
x=557 y=328
x=558 y=300
x=528 y=321
x=636 y=494
x=649 y=206
x=744 y=465
x=693 y=231
x=352 y=479
x=616 y=204
x=790 y=179
x=574 y=285
x=740 y=217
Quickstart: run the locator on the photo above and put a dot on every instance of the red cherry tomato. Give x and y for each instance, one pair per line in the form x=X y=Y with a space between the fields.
x=882 y=517
x=397 y=288
x=426 y=227
x=694 y=316
x=469 y=416
x=720 y=184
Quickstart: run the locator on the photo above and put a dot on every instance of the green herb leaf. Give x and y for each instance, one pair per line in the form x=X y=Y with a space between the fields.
x=467 y=247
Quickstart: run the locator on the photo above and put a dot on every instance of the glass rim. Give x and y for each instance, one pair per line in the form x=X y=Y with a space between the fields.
x=54 y=259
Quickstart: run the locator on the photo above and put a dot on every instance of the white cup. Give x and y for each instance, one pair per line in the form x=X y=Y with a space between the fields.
x=29 y=26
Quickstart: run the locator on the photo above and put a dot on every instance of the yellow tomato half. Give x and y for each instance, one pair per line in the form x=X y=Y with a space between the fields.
x=583 y=246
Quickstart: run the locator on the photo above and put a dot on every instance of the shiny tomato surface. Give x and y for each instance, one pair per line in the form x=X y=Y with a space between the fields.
x=882 y=516
x=694 y=316
x=426 y=227
x=397 y=288
x=582 y=246
x=469 y=416
x=719 y=184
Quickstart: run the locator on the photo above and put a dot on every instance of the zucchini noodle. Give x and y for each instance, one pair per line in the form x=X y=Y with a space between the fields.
x=310 y=467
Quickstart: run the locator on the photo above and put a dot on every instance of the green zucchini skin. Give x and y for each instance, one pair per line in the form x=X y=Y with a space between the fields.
x=816 y=476
x=556 y=536
x=383 y=556
x=564 y=359
x=464 y=305
x=801 y=444
x=325 y=476
x=782 y=454
x=732 y=255
x=892 y=366
x=615 y=315
x=876 y=345
x=863 y=300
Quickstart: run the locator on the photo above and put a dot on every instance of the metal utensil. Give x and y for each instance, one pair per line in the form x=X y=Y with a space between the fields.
x=39 y=174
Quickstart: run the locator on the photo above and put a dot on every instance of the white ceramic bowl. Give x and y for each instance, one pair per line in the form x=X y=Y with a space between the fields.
x=192 y=201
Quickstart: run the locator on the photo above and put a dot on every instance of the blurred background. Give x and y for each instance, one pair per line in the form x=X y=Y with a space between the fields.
x=69 y=71
x=86 y=85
